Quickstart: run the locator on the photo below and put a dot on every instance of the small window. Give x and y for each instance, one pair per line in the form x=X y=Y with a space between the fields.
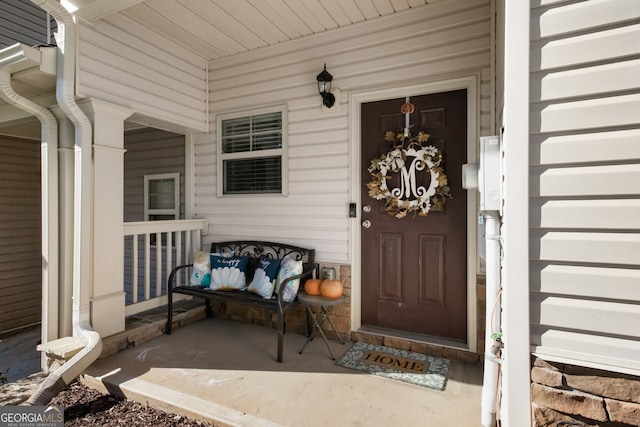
x=251 y=148
x=161 y=199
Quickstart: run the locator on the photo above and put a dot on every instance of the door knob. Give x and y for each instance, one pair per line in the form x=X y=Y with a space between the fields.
x=366 y=223
x=366 y=208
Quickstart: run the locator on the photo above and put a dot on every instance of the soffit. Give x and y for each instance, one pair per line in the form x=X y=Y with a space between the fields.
x=33 y=76
x=218 y=28
x=28 y=128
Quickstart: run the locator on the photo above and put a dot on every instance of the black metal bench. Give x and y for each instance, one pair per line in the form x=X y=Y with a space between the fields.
x=254 y=250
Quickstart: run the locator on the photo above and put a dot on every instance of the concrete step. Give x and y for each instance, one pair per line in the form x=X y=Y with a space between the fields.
x=61 y=350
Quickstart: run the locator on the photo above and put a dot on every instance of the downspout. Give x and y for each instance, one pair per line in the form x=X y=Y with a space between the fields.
x=492 y=361
x=65 y=93
x=49 y=183
x=486 y=177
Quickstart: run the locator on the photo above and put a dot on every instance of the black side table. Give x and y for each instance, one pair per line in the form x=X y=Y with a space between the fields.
x=326 y=305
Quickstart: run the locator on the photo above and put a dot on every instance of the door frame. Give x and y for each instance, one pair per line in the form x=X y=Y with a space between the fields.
x=356 y=99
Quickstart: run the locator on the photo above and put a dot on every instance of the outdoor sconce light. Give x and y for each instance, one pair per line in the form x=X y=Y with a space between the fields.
x=324 y=87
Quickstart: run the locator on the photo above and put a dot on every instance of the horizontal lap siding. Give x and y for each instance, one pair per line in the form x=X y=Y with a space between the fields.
x=24 y=22
x=20 y=235
x=425 y=44
x=585 y=182
x=150 y=151
x=128 y=65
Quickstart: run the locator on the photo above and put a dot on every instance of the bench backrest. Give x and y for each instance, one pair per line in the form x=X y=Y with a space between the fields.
x=255 y=249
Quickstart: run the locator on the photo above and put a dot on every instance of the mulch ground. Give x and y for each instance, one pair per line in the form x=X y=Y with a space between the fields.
x=84 y=406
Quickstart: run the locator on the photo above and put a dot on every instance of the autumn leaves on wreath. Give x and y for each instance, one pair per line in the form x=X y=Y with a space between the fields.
x=407 y=158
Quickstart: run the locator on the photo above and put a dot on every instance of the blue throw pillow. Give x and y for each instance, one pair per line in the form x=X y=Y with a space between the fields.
x=228 y=272
x=264 y=279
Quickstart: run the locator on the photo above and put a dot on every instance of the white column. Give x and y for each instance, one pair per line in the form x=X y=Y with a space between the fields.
x=65 y=240
x=516 y=396
x=107 y=274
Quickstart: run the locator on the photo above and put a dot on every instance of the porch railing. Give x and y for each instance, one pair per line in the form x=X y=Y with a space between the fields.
x=152 y=249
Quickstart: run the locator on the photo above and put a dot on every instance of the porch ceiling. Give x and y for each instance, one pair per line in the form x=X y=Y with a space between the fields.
x=212 y=29
x=218 y=28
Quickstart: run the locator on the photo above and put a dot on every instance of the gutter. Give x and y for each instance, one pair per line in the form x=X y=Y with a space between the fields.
x=493 y=307
x=65 y=93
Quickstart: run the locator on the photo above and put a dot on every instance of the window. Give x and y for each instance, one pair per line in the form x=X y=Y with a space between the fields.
x=251 y=152
x=161 y=199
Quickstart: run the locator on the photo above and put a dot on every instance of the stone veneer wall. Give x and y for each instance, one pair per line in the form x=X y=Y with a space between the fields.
x=295 y=321
x=295 y=316
x=583 y=396
x=145 y=326
x=141 y=328
x=418 y=347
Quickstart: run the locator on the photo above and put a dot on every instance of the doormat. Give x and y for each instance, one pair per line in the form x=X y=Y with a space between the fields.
x=401 y=365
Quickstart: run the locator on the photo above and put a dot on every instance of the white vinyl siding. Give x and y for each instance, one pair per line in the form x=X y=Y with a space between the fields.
x=20 y=234
x=124 y=63
x=585 y=183
x=24 y=22
x=425 y=44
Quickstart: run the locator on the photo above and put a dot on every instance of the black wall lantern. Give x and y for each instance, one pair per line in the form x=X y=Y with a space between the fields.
x=324 y=87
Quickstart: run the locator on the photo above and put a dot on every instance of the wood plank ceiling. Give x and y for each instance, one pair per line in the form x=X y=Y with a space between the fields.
x=218 y=28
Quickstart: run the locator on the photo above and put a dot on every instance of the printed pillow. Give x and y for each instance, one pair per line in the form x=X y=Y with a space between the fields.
x=228 y=273
x=288 y=268
x=264 y=279
x=201 y=272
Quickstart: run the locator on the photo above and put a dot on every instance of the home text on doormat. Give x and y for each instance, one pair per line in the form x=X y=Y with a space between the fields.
x=396 y=364
x=400 y=363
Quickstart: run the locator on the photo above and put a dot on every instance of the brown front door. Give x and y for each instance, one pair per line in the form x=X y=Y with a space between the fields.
x=414 y=269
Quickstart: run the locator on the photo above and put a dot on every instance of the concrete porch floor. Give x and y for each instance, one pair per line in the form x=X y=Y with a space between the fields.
x=225 y=372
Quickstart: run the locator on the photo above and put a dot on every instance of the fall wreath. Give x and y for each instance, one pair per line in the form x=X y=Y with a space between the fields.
x=410 y=197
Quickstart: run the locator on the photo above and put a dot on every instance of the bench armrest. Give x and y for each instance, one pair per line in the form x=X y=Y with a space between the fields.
x=286 y=281
x=173 y=273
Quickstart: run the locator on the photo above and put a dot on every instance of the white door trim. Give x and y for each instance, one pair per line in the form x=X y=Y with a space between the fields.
x=356 y=99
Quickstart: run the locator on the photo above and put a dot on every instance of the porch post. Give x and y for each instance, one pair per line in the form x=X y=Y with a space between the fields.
x=65 y=240
x=516 y=368
x=107 y=294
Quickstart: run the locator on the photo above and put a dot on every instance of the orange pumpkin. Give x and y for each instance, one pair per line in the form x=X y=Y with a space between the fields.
x=312 y=286
x=331 y=288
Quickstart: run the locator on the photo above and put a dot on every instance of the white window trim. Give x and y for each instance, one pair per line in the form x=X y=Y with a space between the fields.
x=282 y=152
x=176 y=209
